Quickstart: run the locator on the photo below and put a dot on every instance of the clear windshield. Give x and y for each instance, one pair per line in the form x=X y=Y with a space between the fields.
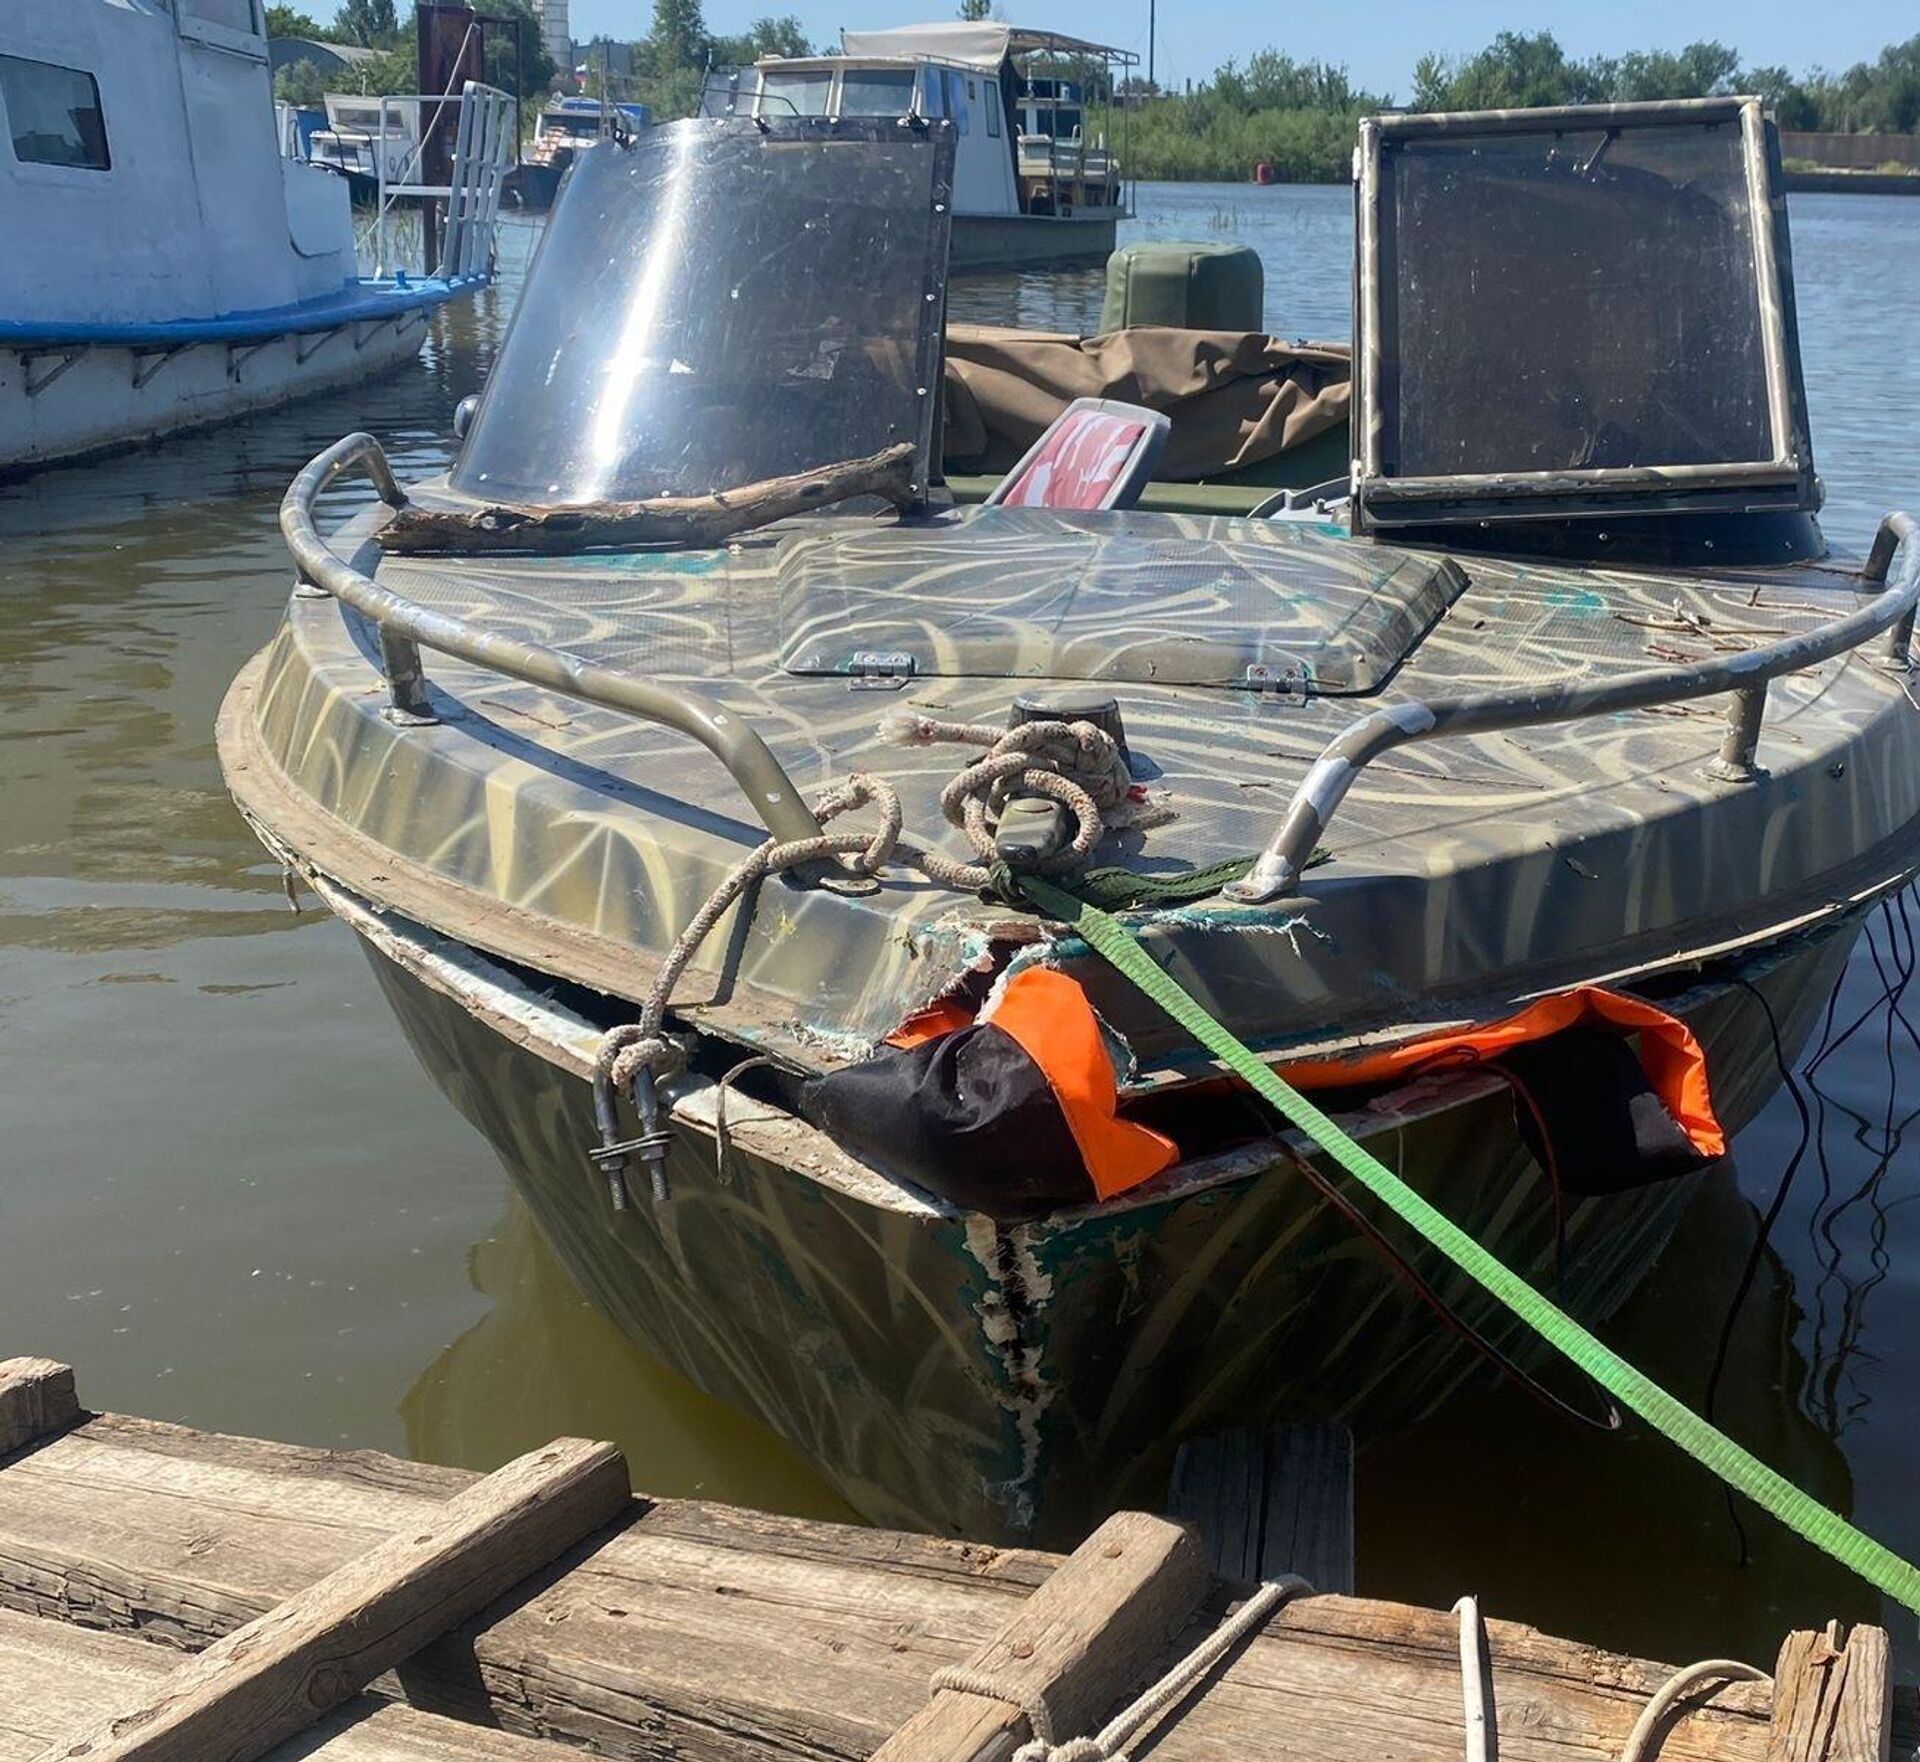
x=1572 y=299
x=794 y=94
x=719 y=304
x=876 y=91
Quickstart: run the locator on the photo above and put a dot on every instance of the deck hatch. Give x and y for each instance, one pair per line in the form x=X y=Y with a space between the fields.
x=1020 y=593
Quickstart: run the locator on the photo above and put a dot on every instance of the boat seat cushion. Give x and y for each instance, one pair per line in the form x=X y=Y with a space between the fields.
x=1096 y=454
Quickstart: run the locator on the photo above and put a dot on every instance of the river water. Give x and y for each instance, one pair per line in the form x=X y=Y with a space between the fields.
x=230 y=1198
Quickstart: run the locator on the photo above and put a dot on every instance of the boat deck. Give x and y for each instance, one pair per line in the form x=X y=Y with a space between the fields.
x=541 y=1610
x=1591 y=847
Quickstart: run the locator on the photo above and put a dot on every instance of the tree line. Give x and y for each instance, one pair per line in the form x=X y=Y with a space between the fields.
x=1301 y=115
x=394 y=67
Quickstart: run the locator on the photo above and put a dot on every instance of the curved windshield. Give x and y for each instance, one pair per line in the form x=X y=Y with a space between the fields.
x=721 y=303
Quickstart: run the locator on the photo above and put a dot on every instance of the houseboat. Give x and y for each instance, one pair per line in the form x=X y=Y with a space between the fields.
x=171 y=266
x=1030 y=184
x=565 y=126
x=728 y=859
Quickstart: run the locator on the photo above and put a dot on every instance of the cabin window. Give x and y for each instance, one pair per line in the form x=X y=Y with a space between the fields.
x=794 y=94
x=957 y=106
x=933 y=92
x=53 y=114
x=876 y=91
x=993 y=109
x=241 y=16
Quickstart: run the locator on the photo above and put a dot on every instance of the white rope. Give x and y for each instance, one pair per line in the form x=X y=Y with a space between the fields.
x=1140 y=1715
x=1707 y=1670
x=1476 y=1688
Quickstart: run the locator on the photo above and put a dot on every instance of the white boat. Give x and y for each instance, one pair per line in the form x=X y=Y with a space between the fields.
x=1029 y=187
x=169 y=267
x=370 y=139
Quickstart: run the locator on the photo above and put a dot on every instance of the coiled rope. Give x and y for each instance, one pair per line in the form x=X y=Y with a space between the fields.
x=1077 y=764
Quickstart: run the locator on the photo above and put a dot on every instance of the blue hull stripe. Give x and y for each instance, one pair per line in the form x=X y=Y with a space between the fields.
x=360 y=302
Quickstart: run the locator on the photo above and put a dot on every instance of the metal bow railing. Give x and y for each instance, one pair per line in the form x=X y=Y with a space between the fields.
x=1745 y=676
x=405 y=628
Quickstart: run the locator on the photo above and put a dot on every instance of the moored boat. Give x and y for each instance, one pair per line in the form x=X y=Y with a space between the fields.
x=175 y=269
x=1554 y=719
x=1032 y=183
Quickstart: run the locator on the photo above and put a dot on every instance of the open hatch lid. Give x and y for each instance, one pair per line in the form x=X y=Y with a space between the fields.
x=720 y=302
x=1575 y=312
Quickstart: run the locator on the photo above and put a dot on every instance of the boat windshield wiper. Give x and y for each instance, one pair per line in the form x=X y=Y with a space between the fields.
x=695 y=521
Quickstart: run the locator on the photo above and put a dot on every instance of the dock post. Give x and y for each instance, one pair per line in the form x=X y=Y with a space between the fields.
x=1832 y=1698
x=37 y=1396
x=1271 y=1502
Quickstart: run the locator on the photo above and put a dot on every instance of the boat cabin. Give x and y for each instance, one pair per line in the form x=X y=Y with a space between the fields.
x=105 y=104
x=1020 y=141
x=573 y=123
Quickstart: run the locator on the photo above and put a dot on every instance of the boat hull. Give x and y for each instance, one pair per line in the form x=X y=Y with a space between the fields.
x=1025 y=241
x=1016 y=1381
x=58 y=404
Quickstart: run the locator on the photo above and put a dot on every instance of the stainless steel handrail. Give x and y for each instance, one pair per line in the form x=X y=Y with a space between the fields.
x=405 y=628
x=1745 y=675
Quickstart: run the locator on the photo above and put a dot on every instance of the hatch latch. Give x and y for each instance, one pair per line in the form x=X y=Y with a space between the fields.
x=879 y=669
x=1290 y=681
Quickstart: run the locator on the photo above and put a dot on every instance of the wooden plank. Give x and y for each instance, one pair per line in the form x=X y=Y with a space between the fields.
x=1832 y=1699
x=37 y=1397
x=58 y=1677
x=1308 y=1528
x=276 y=1675
x=1079 y=1645
x=1271 y=1502
x=706 y=1634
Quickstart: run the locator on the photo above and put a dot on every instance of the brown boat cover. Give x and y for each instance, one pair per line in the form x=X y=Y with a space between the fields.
x=1235 y=397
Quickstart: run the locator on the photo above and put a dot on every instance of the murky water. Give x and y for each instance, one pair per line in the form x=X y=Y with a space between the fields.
x=230 y=1198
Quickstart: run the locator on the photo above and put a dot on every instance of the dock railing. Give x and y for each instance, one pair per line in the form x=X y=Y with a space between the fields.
x=1745 y=676
x=405 y=628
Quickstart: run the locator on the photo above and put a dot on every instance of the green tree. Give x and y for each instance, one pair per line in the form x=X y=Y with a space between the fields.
x=288 y=21
x=974 y=11
x=765 y=36
x=373 y=24
x=675 y=57
x=299 y=83
x=536 y=72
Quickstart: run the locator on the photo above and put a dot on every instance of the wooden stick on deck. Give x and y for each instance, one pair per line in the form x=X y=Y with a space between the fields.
x=1083 y=1641
x=1832 y=1702
x=36 y=1397
x=279 y=1673
x=684 y=520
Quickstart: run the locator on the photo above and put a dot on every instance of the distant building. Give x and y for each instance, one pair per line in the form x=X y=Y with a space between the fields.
x=338 y=62
x=555 y=31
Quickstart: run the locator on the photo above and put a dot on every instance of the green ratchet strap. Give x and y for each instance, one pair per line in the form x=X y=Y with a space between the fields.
x=1744 y=1472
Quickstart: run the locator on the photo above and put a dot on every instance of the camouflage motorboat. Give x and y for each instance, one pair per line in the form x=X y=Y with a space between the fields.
x=1558 y=695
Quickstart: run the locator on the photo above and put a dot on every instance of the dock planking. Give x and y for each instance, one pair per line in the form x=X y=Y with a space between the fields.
x=709 y=1634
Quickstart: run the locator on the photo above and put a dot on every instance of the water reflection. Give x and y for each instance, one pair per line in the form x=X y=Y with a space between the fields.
x=543 y=1361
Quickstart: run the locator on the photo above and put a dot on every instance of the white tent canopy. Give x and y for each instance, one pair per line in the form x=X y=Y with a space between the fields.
x=983 y=45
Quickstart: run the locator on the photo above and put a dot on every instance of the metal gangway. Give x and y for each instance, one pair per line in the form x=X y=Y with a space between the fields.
x=483 y=151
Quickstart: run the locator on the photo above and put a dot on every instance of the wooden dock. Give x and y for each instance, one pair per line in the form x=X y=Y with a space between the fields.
x=172 y=1594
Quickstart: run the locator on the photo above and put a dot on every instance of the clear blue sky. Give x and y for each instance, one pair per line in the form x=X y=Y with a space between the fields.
x=1378 y=41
